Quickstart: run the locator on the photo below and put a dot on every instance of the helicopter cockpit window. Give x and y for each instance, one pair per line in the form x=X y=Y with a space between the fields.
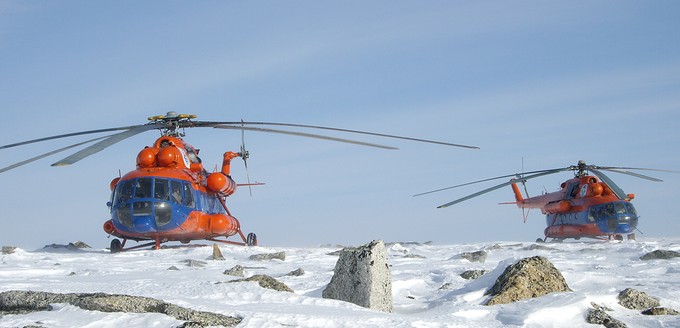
x=611 y=210
x=143 y=188
x=620 y=208
x=161 y=189
x=123 y=192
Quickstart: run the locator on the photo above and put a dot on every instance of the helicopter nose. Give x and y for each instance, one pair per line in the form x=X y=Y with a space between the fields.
x=621 y=224
x=144 y=224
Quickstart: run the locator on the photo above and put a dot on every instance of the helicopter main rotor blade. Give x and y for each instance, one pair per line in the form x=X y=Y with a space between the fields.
x=108 y=141
x=637 y=175
x=302 y=134
x=631 y=168
x=614 y=187
x=73 y=134
x=547 y=172
x=33 y=159
x=484 y=180
x=215 y=124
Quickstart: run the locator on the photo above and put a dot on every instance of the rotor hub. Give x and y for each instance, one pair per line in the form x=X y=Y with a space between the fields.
x=172 y=122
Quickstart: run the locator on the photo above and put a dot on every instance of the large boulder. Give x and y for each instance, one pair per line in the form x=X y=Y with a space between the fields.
x=362 y=277
x=528 y=278
x=637 y=300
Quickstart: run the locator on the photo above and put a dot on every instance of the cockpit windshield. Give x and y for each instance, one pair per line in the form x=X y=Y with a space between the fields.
x=611 y=210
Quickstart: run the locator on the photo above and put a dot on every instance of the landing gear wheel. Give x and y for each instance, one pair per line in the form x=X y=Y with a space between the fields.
x=251 y=239
x=540 y=240
x=116 y=246
x=618 y=237
x=631 y=236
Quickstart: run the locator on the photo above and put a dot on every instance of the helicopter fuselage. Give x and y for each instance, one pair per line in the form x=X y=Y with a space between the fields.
x=170 y=197
x=584 y=207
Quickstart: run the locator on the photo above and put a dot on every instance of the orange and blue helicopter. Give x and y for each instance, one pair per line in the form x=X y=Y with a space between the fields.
x=588 y=205
x=170 y=196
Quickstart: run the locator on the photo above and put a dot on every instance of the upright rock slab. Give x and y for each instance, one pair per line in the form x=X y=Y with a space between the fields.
x=528 y=278
x=362 y=277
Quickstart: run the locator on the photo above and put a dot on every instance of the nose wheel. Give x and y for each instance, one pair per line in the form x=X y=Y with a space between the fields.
x=251 y=239
x=116 y=246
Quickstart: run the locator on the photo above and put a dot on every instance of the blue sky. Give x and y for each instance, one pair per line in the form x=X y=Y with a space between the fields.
x=535 y=84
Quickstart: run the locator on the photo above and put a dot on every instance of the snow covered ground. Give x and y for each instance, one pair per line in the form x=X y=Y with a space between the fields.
x=595 y=271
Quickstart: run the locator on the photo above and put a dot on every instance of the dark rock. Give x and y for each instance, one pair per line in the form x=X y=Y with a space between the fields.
x=362 y=277
x=78 y=245
x=267 y=282
x=17 y=302
x=478 y=256
x=271 y=256
x=335 y=253
x=600 y=317
x=296 y=273
x=8 y=250
x=600 y=307
x=472 y=274
x=217 y=254
x=660 y=311
x=194 y=263
x=528 y=278
x=236 y=271
x=534 y=247
x=446 y=286
x=660 y=254
x=637 y=300
x=173 y=268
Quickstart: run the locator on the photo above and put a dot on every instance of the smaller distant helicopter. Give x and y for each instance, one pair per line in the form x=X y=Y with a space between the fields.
x=590 y=206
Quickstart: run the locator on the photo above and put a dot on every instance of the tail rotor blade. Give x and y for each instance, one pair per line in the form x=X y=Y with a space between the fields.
x=244 y=156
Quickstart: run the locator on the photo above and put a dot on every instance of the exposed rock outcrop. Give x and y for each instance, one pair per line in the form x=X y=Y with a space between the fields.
x=528 y=278
x=8 y=250
x=237 y=271
x=660 y=254
x=637 y=300
x=660 y=311
x=598 y=316
x=478 y=256
x=194 y=263
x=362 y=277
x=297 y=272
x=472 y=274
x=78 y=245
x=269 y=256
x=267 y=282
x=16 y=302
